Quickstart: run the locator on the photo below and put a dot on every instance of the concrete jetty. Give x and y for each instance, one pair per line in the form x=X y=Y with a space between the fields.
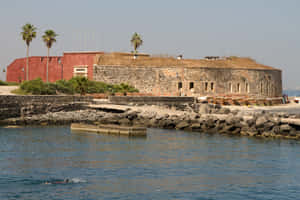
x=132 y=131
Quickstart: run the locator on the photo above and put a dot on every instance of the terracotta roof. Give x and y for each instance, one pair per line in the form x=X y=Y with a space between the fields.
x=126 y=59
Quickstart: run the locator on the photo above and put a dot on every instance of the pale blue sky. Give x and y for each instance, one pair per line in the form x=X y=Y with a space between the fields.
x=266 y=30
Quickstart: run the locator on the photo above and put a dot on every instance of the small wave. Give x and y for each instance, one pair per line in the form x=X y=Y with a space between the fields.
x=77 y=180
x=64 y=181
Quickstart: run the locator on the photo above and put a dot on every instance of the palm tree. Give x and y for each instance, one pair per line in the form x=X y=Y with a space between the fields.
x=28 y=33
x=136 y=41
x=49 y=39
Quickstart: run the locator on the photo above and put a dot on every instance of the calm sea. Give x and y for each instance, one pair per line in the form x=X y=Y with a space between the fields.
x=166 y=165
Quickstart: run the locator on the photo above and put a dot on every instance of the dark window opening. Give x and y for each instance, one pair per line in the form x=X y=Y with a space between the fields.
x=212 y=86
x=247 y=88
x=191 y=85
x=206 y=86
x=238 y=88
x=179 y=85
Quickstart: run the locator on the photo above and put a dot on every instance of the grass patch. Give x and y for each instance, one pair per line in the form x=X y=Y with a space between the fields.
x=3 y=83
x=19 y=92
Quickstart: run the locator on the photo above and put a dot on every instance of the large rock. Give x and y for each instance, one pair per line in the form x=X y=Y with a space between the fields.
x=260 y=122
x=204 y=109
x=285 y=128
x=182 y=125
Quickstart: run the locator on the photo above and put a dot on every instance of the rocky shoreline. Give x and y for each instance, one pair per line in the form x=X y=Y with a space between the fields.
x=202 y=118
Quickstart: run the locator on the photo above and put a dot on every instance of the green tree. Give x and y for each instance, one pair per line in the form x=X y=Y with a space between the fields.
x=49 y=38
x=136 y=41
x=28 y=33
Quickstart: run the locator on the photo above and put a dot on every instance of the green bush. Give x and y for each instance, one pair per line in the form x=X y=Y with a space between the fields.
x=38 y=87
x=79 y=85
x=64 y=86
x=3 y=83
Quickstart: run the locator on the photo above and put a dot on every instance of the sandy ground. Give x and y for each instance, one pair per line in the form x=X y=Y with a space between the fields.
x=292 y=108
x=155 y=109
x=6 y=90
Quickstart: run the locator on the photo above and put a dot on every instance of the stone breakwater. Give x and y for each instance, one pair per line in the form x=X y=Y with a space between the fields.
x=203 y=118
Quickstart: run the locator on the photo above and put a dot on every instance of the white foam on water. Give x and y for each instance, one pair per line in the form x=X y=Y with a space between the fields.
x=77 y=180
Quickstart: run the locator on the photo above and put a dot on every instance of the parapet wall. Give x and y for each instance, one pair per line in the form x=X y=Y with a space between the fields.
x=17 y=106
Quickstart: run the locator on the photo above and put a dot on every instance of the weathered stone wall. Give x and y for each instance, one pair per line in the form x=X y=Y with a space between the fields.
x=168 y=101
x=177 y=81
x=17 y=106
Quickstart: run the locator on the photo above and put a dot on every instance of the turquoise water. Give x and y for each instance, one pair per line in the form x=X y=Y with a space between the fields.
x=167 y=164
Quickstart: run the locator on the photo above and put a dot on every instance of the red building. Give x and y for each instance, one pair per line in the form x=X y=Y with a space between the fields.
x=60 y=67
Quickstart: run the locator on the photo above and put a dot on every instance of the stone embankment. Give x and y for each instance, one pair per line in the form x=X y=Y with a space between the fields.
x=21 y=106
x=204 y=118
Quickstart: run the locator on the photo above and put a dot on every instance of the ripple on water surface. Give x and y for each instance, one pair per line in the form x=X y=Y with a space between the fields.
x=167 y=164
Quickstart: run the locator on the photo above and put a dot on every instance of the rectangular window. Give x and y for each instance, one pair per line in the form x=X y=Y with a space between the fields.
x=212 y=86
x=179 y=85
x=191 y=85
x=206 y=86
x=80 y=71
x=238 y=88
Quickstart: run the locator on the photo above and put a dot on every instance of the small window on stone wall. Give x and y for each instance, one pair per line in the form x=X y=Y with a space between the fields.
x=230 y=87
x=206 y=86
x=191 y=85
x=238 y=88
x=179 y=85
x=212 y=86
x=247 y=88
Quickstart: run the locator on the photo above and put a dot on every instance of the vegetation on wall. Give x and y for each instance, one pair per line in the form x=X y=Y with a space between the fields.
x=76 y=85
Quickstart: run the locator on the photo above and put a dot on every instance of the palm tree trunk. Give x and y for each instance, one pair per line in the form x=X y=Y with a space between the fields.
x=47 y=64
x=27 y=63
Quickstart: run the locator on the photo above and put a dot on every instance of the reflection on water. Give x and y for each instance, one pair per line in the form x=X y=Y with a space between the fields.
x=166 y=165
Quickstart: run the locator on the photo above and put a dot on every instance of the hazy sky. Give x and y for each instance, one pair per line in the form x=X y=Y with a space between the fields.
x=266 y=30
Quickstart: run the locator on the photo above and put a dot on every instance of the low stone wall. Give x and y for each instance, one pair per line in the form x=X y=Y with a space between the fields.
x=243 y=101
x=20 y=106
x=151 y=100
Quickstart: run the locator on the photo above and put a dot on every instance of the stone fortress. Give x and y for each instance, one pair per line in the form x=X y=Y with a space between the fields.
x=188 y=77
x=159 y=76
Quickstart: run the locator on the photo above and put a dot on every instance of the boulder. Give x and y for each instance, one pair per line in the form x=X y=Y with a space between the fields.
x=260 y=122
x=182 y=125
x=285 y=128
x=204 y=109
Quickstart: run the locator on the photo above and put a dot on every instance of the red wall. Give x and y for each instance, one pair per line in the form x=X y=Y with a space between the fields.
x=59 y=67
x=37 y=69
x=70 y=60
